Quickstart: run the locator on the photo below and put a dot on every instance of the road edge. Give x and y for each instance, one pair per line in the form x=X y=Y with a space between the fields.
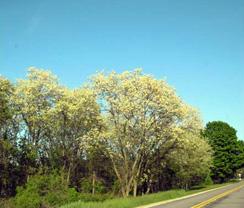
x=180 y=198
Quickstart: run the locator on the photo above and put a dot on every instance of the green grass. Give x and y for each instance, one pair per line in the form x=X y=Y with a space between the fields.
x=142 y=200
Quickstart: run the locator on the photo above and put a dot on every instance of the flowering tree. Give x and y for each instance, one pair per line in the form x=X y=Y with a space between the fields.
x=142 y=114
x=191 y=159
x=53 y=118
x=34 y=98
x=76 y=113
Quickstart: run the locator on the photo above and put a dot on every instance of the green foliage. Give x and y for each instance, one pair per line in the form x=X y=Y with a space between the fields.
x=44 y=190
x=208 y=180
x=10 y=171
x=191 y=160
x=26 y=198
x=73 y=195
x=228 y=152
x=119 y=134
x=6 y=90
x=87 y=187
x=141 y=114
x=99 y=188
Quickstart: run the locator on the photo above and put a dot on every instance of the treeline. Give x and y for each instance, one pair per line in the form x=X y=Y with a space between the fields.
x=119 y=135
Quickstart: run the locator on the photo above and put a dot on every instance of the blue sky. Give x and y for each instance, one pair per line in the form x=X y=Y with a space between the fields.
x=197 y=44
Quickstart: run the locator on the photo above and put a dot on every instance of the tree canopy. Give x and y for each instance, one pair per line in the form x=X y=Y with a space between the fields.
x=228 y=151
x=120 y=134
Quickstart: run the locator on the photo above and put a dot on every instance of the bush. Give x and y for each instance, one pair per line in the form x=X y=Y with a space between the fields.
x=25 y=200
x=87 y=187
x=208 y=180
x=43 y=191
x=73 y=195
x=48 y=191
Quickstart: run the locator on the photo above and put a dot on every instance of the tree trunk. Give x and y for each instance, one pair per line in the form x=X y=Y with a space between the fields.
x=186 y=186
x=93 y=182
x=68 y=175
x=135 y=188
x=149 y=187
x=126 y=190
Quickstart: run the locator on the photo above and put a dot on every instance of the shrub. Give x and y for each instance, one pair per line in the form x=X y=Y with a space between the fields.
x=208 y=180
x=87 y=187
x=26 y=200
x=43 y=191
x=73 y=195
x=49 y=191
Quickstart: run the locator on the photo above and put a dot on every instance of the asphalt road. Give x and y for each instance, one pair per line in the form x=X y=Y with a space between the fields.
x=232 y=200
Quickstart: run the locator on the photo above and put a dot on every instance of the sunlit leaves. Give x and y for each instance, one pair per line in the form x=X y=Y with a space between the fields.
x=192 y=158
x=142 y=114
x=131 y=117
x=34 y=98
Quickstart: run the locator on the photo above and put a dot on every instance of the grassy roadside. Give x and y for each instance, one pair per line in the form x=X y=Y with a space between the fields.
x=143 y=200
